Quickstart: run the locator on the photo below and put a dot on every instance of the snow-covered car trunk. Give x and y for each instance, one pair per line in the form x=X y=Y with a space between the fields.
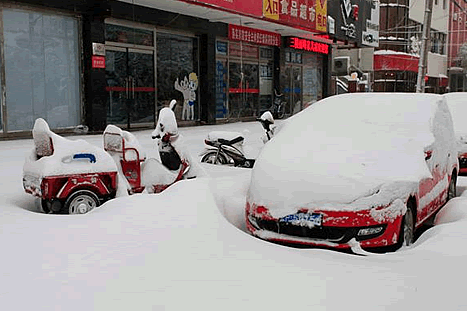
x=354 y=160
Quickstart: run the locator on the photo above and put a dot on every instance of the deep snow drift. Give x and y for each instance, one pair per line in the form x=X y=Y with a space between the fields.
x=177 y=251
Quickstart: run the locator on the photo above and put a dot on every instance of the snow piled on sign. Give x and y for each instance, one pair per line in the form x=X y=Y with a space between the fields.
x=352 y=149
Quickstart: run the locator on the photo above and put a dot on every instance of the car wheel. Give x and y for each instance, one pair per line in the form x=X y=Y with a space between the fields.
x=214 y=158
x=407 y=230
x=452 y=187
x=81 y=202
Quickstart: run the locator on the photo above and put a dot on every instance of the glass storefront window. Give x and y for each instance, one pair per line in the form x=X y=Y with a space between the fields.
x=177 y=74
x=242 y=50
x=266 y=53
x=221 y=88
x=265 y=86
x=122 y=34
x=42 y=69
x=312 y=79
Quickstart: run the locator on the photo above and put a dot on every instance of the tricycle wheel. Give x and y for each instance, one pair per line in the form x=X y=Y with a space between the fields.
x=81 y=202
x=45 y=206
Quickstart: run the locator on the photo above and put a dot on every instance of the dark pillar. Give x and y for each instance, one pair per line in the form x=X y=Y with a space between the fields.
x=95 y=96
x=277 y=69
x=208 y=78
x=327 y=73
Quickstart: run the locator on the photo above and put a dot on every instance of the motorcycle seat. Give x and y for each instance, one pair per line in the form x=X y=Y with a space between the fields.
x=232 y=141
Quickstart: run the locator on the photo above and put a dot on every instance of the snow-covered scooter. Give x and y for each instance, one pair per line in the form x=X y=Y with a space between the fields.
x=150 y=174
x=226 y=148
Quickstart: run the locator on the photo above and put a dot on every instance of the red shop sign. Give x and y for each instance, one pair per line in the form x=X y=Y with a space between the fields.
x=251 y=35
x=247 y=7
x=307 y=45
x=98 y=61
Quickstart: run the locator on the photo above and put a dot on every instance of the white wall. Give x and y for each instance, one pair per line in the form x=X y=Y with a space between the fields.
x=439 y=20
x=437 y=64
x=362 y=59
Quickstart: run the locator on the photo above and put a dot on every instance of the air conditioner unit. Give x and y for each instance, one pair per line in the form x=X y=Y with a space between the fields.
x=454 y=16
x=340 y=66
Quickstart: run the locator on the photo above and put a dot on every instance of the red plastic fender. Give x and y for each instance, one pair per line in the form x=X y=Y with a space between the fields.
x=93 y=182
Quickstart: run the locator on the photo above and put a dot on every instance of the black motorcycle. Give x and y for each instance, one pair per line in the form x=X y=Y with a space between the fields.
x=278 y=105
x=225 y=148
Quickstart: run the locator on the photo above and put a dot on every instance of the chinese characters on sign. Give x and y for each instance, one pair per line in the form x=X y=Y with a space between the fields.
x=307 y=45
x=98 y=61
x=240 y=33
x=304 y=13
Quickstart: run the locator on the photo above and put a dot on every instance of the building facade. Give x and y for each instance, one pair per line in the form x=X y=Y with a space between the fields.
x=397 y=57
x=95 y=63
x=356 y=33
x=457 y=50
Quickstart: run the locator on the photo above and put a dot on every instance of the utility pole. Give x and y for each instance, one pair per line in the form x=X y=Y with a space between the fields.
x=424 y=48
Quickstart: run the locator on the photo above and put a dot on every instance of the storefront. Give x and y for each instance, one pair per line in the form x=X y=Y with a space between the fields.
x=303 y=73
x=83 y=62
x=151 y=57
x=244 y=72
x=145 y=69
x=40 y=68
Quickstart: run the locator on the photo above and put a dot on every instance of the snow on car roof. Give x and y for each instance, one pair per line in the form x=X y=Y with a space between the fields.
x=61 y=162
x=345 y=147
x=457 y=103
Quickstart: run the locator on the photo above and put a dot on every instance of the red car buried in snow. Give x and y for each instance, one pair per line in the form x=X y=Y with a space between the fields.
x=361 y=169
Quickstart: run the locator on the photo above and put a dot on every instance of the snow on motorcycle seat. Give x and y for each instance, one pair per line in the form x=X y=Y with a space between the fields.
x=226 y=138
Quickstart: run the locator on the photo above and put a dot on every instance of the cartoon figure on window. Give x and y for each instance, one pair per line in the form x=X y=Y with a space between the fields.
x=188 y=87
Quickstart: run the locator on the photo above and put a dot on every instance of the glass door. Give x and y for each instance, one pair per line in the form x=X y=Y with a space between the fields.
x=243 y=89
x=130 y=86
x=292 y=89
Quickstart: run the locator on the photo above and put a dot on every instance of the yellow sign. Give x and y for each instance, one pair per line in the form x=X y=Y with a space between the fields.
x=321 y=15
x=271 y=9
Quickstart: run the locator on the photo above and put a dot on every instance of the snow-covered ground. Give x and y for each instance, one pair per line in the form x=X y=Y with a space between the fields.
x=187 y=249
